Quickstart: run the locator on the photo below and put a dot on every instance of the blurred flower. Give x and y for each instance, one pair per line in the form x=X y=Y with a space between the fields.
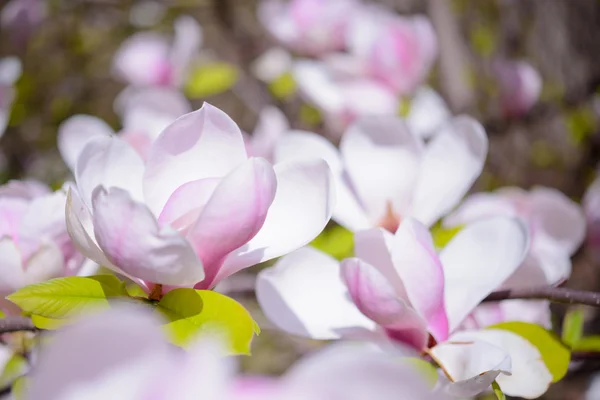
x=10 y=72
x=556 y=229
x=152 y=59
x=591 y=206
x=427 y=112
x=198 y=210
x=486 y=314
x=398 y=288
x=122 y=354
x=308 y=27
x=34 y=243
x=144 y=112
x=385 y=173
x=21 y=17
x=272 y=125
x=520 y=86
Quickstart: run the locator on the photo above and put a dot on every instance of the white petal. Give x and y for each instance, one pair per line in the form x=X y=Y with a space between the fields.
x=75 y=132
x=428 y=112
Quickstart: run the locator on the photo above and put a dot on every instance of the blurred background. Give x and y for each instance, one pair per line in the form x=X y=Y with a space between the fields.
x=66 y=48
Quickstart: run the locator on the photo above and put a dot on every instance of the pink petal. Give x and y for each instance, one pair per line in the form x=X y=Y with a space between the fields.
x=130 y=237
x=143 y=60
x=304 y=200
x=479 y=206
x=13 y=275
x=272 y=125
x=202 y=144
x=234 y=214
x=75 y=132
x=375 y=298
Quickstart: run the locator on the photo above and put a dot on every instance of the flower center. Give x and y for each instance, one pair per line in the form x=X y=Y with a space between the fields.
x=391 y=220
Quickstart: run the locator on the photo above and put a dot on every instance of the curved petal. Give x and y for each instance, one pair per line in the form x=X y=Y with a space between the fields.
x=376 y=299
x=143 y=60
x=558 y=217
x=530 y=377
x=129 y=235
x=109 y=162
x=272 y=125
x=421 y=272
x=470 y=364
x=478 y=260
x=300 y=211
x=317 y=86
x=478 y=206
x=452 y=161
x=300 y=144
x=428 y=112
x=75 y=132
x=382 y=158
x=546 y=264
x=13 y=275
x=46 y=263
x=303 y=294
x=234 y=214
x=203 y=144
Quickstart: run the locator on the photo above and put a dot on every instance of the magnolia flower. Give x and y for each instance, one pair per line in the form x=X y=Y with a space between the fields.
x=397 y=51
x=122 y=354
x=385 y=173
x=272 y=125
x=520 y=86
x=34 y=244
x=309 y=27
x=427 y=112
x=198 y=210
x=487 y=314
x=591 y=207
x=556 y=228
x=151 y=59
x=398 y=288
x=144 y=113
x=10 y=71
x=21 y=17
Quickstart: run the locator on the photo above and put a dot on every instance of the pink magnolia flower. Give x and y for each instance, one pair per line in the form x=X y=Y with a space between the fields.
x=122 y=354
x=198 y=210
x=398 y=288
x=341 y=99
x=398 y=51
x=384 y=172
x=556 y=228
x=309 y=27
x=34 y=244
x=520 y=86
x=272 y=125
x=21 y=17
x=10 y=71
x=151 y=59
x=144 y=114
x=487 y=314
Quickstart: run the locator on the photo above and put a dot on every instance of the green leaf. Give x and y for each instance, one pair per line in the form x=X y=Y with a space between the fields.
x=193 y=312
x=210 y=79
x=49 y=323
x=572 y=329
x=18 y=388
x=497 y=391
x=2 y=314
x=588 y=343
x=135 y=290
x=15 y=367
x=310 y=115
x=442 y=236
x=63 y=298
x=337 y=241
x=425 y=369
x=283 y=87
x=555 y=354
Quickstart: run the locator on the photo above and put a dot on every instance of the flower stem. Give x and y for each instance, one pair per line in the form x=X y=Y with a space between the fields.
x=554 y=294
x=156 y=293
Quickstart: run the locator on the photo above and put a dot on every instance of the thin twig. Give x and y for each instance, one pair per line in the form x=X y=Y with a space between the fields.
x=16 y=324
x=554 y=294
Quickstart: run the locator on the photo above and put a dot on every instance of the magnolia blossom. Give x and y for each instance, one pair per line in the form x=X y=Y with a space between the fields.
x=310 y=27
x=272 y=125
x=152 y=59
x=122 y=354
x=198 y=210
x=520 y=86
x=21 y=17
x=397 y=51
x=556 y=228
x=385 y=173
x=398 y=288
x=34 y=244
x=10 y=71
x=487 y=314
x=144 y=113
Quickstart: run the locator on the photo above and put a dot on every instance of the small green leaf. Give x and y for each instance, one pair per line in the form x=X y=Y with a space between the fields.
x=49 y=323
x=193 y=312
x=15 y=367
x=310 y=115
x=572 y=329
x=442 y=236
x=210 y=79
x=497 y=391
x=555 y=354
x=69 y=297
x=2 y=314
x=425 y=369
x=18 y=388
x=135 y=290
x=283 y=87
x=588 y=343
x=337 y=241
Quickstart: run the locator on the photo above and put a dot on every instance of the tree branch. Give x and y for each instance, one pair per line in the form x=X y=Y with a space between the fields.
x=16 y=324
x=554 y=294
